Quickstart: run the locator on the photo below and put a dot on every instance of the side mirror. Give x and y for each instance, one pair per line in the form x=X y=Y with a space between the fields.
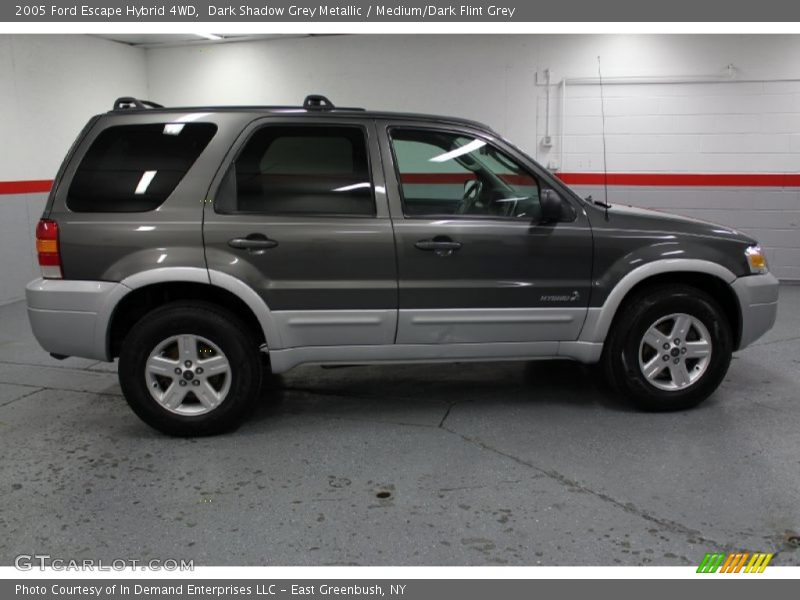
x=552 y=206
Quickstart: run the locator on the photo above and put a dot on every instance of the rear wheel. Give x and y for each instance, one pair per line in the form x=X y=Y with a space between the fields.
x=670 y=350
x=190 y=368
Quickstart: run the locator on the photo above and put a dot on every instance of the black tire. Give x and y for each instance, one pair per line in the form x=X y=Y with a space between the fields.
x=624 y=347
x=216 y=325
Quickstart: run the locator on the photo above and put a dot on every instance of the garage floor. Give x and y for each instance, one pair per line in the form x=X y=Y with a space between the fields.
x=496 y=463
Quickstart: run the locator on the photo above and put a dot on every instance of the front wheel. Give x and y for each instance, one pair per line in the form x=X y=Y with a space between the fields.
x=190 y=368
x=671 y=349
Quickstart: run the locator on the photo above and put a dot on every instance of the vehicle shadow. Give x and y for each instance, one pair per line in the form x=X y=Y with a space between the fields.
x=389 y=389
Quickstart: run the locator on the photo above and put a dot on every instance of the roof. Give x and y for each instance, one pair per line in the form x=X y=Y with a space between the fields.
x=312 y=106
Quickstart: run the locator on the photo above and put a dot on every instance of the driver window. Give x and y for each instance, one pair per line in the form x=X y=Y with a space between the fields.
x=446 y=174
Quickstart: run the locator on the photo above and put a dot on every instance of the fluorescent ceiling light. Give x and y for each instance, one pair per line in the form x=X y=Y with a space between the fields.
x=471 y=147
x=355 y=186
x=144 y=182
x=209 y=36
x=176 y=127
x=173 y=128
x=189 y=117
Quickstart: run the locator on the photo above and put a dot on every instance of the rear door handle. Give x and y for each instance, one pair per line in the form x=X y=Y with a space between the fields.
x=441 y=245
x=255 y=243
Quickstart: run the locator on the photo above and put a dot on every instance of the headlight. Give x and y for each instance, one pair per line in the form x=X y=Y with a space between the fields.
x=756 y=259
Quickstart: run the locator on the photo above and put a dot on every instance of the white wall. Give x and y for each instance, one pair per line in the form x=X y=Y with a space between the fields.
x=751 y=126
x=485 y=77
x=663 y=128
x=51 y=86
x=491 y=78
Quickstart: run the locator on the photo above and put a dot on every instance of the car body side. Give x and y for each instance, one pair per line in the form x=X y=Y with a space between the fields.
x=357 y=305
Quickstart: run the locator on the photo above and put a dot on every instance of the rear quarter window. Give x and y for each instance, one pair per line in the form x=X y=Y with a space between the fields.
x=135 y=168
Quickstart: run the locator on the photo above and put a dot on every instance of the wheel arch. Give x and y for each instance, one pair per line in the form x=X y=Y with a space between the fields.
x=710 y=277
x=150 y=289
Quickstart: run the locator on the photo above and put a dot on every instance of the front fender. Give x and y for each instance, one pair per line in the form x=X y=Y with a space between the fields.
x=599 y=319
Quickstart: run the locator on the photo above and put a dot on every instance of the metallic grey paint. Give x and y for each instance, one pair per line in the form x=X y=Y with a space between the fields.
x=503 y=263
x=319 y=262
x=170 y=236
x=628 y=237
x=598 y=319
x=341 y=289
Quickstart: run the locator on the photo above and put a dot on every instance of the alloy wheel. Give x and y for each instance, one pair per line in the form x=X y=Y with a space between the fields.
x=675 y=352
x=188 y=375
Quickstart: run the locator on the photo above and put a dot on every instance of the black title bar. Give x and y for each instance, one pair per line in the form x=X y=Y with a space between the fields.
x=116 y=11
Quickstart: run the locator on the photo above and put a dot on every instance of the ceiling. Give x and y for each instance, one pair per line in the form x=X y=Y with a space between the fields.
x=160 y=40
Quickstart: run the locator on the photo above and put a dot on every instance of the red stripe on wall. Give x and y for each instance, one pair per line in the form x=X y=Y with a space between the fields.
x=459 y=178
x=636 y=179
x=454 y=178
x=41 y=186
x=685 y=179
x=38 y=186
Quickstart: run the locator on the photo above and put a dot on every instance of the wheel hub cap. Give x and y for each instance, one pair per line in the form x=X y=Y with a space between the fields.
x=188 y=375
x=675 y=351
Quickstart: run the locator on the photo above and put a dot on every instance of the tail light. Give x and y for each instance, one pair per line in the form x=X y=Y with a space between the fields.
x=47 y=249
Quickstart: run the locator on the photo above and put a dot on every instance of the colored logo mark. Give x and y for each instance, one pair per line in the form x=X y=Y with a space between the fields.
x=735 y=562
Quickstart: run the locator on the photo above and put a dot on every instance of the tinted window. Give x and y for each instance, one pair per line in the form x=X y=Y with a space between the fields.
x=445 y=173
x=134 y=168
x=301 y=170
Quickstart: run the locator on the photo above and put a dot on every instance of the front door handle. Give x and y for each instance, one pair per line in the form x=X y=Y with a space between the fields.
x=256 y=243
x=441 y=245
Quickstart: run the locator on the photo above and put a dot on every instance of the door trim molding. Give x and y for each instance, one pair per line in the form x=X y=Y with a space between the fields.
x=335 y=327
x=489 y=325
x=285 y=359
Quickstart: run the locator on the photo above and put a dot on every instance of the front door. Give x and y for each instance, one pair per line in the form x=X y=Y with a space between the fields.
x=299 y=215
x=476 y=264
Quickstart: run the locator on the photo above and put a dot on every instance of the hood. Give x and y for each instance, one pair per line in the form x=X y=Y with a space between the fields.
x=634 y=218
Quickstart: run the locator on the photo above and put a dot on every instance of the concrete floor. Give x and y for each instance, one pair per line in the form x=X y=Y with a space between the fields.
x=497 y=463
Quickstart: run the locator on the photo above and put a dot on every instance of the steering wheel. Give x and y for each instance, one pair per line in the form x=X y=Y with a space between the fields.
x=473 y=189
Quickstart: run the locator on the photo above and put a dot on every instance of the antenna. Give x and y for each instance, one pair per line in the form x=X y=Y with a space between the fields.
x=603 y=117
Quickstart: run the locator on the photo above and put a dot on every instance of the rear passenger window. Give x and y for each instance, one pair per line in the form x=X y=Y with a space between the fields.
x=134 y=168
x=285 y=170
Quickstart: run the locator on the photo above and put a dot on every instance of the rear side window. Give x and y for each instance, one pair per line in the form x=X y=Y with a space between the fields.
x=134 y=168
x=291 y=170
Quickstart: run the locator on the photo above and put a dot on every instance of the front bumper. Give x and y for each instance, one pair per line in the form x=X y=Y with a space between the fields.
x=758 y=301
x=71 y=317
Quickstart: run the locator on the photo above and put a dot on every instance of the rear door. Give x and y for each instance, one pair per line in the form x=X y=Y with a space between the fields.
x=300 y=215
x=475 y=262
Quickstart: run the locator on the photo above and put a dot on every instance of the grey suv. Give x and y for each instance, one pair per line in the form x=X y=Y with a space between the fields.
x=199 y=244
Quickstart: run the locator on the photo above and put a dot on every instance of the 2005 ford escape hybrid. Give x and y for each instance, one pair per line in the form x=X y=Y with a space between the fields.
x=192 y=242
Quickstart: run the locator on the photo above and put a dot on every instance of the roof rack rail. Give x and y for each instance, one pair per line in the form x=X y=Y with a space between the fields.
x=312 y=103
x=319 y=102
x=129 y=102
